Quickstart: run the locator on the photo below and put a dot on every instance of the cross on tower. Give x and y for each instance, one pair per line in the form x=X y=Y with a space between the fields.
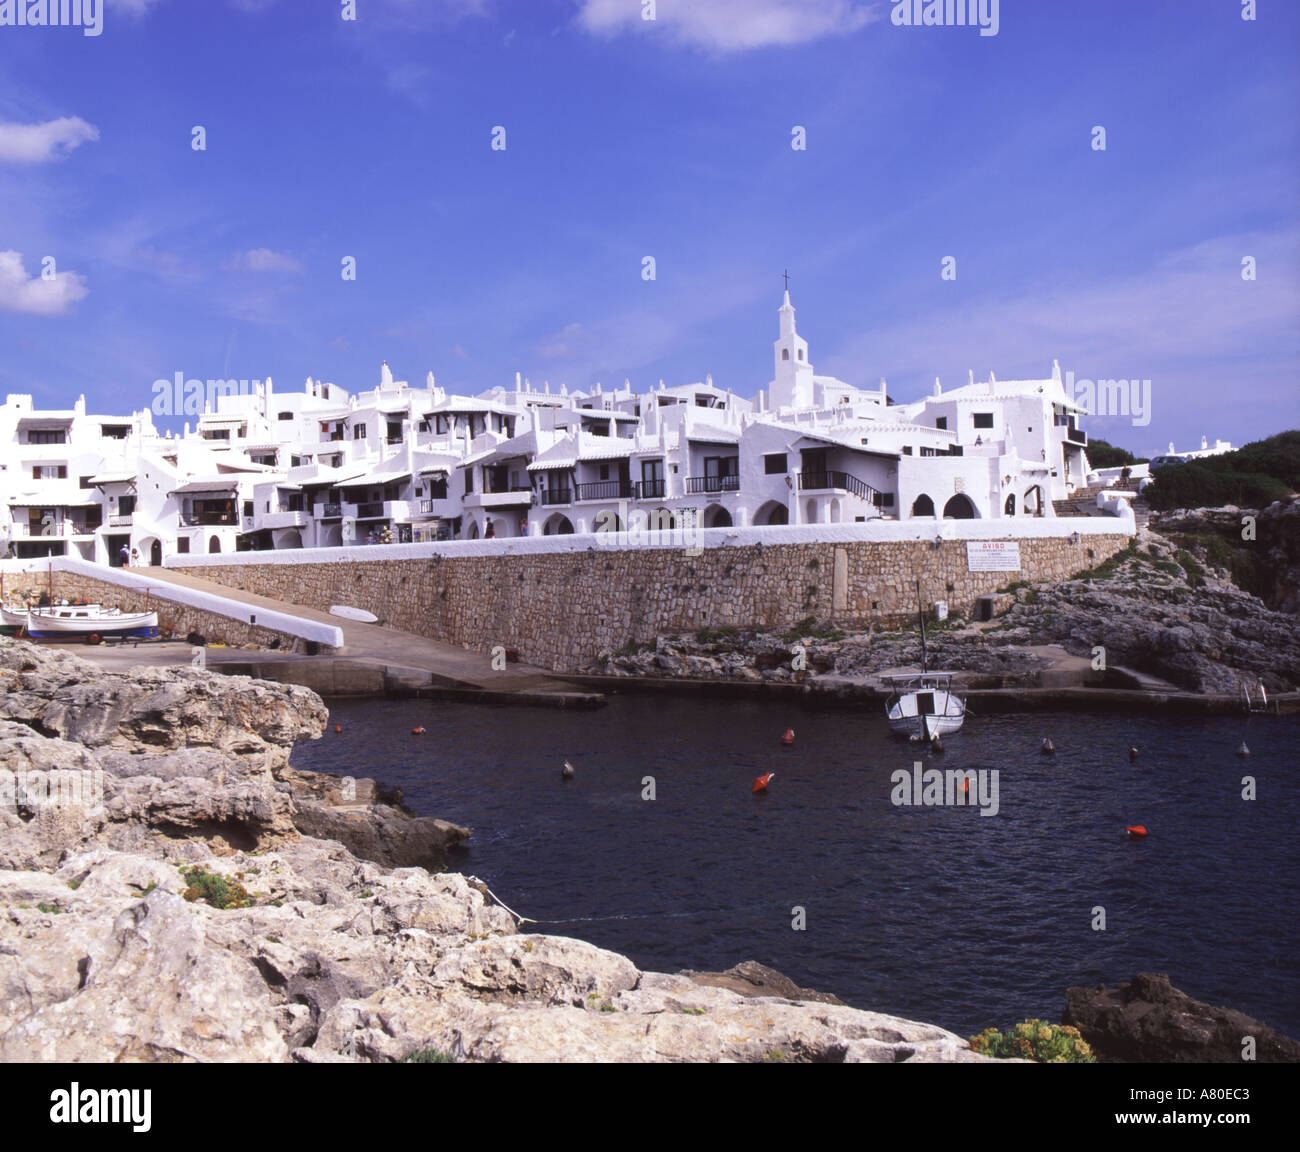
x=786 y=274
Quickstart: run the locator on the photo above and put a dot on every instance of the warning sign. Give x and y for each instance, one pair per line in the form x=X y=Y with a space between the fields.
x=993 y=555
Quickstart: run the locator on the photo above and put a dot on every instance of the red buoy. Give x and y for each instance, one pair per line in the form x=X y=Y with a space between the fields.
x=788 y=738
x=760 y=785
x=1138 y=830
x=338 y=727
x=418 y=731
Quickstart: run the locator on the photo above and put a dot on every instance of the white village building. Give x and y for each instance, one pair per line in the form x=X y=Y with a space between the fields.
x=324 y=467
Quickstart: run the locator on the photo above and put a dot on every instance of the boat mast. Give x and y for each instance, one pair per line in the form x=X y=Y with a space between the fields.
x=920 y=612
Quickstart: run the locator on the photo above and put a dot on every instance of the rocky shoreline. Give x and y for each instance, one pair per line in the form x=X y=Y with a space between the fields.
x=1163 y=615
x=173 y=890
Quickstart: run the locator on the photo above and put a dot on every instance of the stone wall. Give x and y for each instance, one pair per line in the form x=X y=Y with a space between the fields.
x=173 y=619
x=561 y=610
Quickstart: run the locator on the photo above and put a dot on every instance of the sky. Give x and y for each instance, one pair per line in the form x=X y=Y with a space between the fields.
x=950 y=209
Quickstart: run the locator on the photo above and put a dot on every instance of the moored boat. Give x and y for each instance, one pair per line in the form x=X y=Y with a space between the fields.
x=70 y=620
x=925 y=706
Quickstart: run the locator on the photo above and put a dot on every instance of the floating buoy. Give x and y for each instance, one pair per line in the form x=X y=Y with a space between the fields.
x=1243 y=751
x=567 y=771
x=1049 y=749
x=760 y=785
x=1136 y=830
x=338 y=727
x=418 y=731
x=788 y=737
x=1132 y=754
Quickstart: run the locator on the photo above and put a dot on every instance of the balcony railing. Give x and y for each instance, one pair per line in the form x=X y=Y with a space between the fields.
x=556 y=495
x=1076 y=436
x=838 y=481
x=328 y=511
x=650 y=490
x=207 y=519
x=605 y=490
x=371 y=511
x=697 y=484
x=120 y=520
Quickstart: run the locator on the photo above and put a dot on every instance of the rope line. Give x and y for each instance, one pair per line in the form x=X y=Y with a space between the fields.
x=618 y=915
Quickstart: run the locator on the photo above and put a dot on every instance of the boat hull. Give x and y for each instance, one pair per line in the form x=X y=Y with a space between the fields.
x=65 y=624
x=925 y=709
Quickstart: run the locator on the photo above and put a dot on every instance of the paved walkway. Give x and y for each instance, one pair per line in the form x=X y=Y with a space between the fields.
x=385 y=647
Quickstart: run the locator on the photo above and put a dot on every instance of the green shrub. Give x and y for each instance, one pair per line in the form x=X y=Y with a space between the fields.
x=429 y=1056
x=1103 y=455
x=218 y=891
x=1195 y=573
x=1035 y=1040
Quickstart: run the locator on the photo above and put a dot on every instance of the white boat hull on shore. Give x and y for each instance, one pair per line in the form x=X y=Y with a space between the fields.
x=68 y=622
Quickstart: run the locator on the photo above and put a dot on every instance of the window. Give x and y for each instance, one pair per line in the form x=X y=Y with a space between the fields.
x=47 y=437
x=982 y=419
x=182 y=544
x=248 y=507
x=125 y=505
x=295 y=461
x=785 y=353
x=927 y=451
x=284 y=416
x=907 y=450
x=84 y=482
x=115 y=431
x=941 y=422
x=774 y=464
x=469 y=481
x=438 y=488
x=358 y=432
x=800 y=353
x=49 y=472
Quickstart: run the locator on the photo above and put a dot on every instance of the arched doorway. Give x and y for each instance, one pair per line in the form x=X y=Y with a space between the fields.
x=716 y=516
x=155 y=553
x=1033 y=501
x=473 y=530
x=1009 y=508
x=557 y=525
x=835 y=511
x=959 y=508
x=772 y=513
x=923 y=506
x=214 y=544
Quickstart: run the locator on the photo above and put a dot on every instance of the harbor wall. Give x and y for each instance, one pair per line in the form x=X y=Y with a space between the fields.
x=562 y=602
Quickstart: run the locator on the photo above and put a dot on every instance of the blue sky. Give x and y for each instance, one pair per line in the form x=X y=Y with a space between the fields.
x=671 y=138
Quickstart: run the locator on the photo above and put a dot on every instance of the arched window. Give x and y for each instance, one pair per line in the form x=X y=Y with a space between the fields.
x=800 y=353
x=959 y=508
x=923 y=506
x=785 y=353
x=1010 y=507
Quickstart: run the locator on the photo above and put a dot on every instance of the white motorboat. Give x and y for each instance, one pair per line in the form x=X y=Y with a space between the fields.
x=68 y=620
x=925 y=706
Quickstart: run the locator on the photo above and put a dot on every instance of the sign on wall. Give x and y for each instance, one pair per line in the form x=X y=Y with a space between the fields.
x=993 y=555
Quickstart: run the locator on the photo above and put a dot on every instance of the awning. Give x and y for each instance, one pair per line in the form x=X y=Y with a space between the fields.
x=112 y=478
x=223 y=485
x=46 y=420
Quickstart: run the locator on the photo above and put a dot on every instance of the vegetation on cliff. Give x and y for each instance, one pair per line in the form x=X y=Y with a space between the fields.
x=1252 y=477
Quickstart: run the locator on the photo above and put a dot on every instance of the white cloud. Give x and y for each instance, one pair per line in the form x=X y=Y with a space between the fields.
x=20 y=293
x=262 y=260
x=38 y=143
x=730 y=25
x=564 y=344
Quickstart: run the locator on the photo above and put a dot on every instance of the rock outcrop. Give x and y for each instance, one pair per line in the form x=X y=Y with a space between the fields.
x=171 y=889
x=1148 y=1020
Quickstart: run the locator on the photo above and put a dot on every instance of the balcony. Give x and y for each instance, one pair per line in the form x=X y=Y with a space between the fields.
x=121 y=520
x=208 y=519
x=650 y=490
x=507 y=498
x=1076 y=436
x=327 y=511
x=283 y=519
x=556 y=495
x=59 y=530
x=373 y=510
x=695 y=485
x=606 y=490
x=837 y=482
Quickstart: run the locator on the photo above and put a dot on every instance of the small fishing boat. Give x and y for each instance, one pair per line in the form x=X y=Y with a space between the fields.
x=925 y=706
x=12 y=619
x=65 y=621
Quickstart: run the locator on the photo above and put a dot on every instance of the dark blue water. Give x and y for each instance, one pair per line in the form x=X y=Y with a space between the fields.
x=939 y=914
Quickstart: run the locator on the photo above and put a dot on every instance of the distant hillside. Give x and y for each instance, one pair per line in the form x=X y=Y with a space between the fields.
x=1251 y=477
